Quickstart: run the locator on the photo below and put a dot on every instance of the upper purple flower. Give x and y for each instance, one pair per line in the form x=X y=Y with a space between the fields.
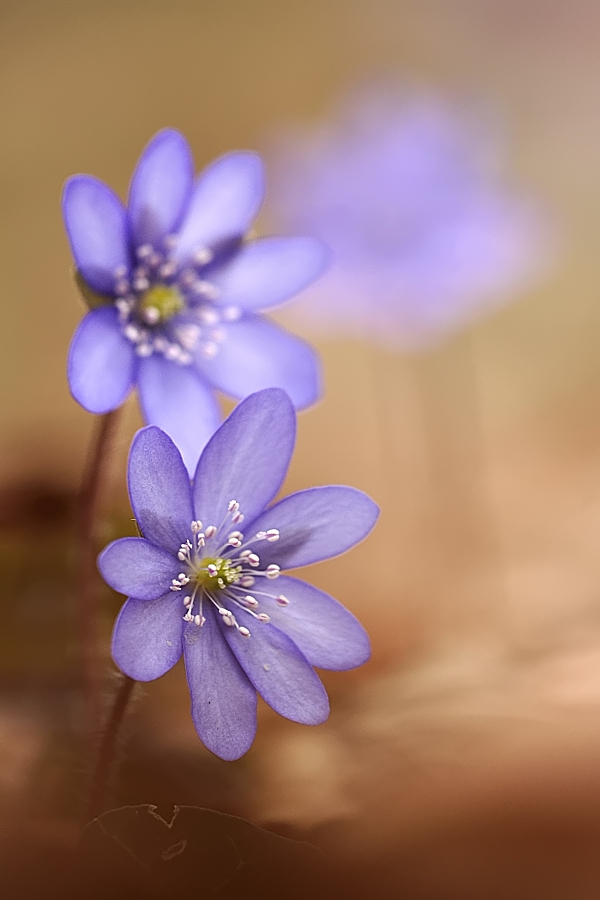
x=406 y=188
x=202 y=584
x=181 y=290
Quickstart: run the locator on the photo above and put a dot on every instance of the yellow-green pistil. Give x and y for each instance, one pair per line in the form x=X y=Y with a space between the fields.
x=160 y=303
x=215 y=574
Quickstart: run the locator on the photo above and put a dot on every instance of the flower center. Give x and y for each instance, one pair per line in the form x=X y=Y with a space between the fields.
x=171 y=308
x=224 y=575
x=160 y=303
x=216 y=574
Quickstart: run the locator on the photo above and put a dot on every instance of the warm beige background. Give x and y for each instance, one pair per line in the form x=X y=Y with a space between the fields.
x=481 y=588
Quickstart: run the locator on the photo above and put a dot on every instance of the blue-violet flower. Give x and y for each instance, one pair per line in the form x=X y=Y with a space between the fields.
x=202 y=584
x=179 y=292
x=407 y=189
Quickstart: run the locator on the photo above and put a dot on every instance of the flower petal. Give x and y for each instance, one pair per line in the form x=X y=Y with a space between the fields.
x=135 y=567
x=160 y=187
x=247 y=458
x=225 y=200
x=96 y=224
x=101 y=364
x=146 y=639
x=223 y=700
x=257 y=354
x=176 y=398
x=270 y=270
x=279 y=671
x=159 y=489
x=328 y=634
x=314 y=525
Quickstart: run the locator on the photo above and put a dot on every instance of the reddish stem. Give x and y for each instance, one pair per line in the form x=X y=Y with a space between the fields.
x=88 y=580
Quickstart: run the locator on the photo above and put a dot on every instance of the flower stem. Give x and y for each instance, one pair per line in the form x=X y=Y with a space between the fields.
x=88 y=582
x=102 y=772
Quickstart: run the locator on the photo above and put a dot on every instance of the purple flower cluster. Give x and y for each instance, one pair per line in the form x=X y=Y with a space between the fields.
x=205 y=581
x=406 y=189
x=179 y=291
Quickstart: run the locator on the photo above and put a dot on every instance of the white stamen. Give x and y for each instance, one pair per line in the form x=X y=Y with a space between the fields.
x=124 y=306
x=272 y=534
x=144 y=349
x=160 y=343
x=263 y=617
x=188 y=617
x=281 y=600
x=141 y=284
x=172 y=352
x=167 y=270
x=208 y=316
x=203 y=256
x=244 y=631
x=231 y=313
x=206 y=289
x=212 y=570
x=210 y=531
x=187 y=601
x=228 y=617
x=235 y=539
x=187 y=278
x=122 y=287
x=237 y=518
x=132 y=333
x=188 y=335
x=144 y=251
x=199 y=620
x=247 y=581
x=151 y=315
x=272 y=571
x=251 y=558
x=209 y=350
x=196 y=526
x=155 y=260
x=233 y=506
x=251 y=601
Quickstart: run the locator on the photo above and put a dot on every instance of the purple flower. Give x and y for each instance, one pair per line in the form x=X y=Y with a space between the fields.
x=205 y=580
x=406 y=189
x=180 y=290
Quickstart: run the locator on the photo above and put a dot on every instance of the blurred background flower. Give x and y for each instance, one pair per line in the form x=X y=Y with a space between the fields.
x=407 y=188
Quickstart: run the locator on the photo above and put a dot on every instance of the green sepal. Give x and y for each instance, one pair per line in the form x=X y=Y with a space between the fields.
x=90 y=297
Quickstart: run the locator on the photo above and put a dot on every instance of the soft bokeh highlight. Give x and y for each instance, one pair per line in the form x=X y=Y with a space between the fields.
x=408 y=187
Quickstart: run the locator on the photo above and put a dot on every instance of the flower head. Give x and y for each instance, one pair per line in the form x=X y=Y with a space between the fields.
x=205 y=579
x=177 y=291
x=405 y=188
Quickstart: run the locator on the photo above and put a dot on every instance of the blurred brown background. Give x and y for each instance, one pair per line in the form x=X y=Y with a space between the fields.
x=465 y=755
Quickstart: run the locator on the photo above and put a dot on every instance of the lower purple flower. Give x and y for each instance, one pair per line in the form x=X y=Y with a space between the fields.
x=205 y=581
